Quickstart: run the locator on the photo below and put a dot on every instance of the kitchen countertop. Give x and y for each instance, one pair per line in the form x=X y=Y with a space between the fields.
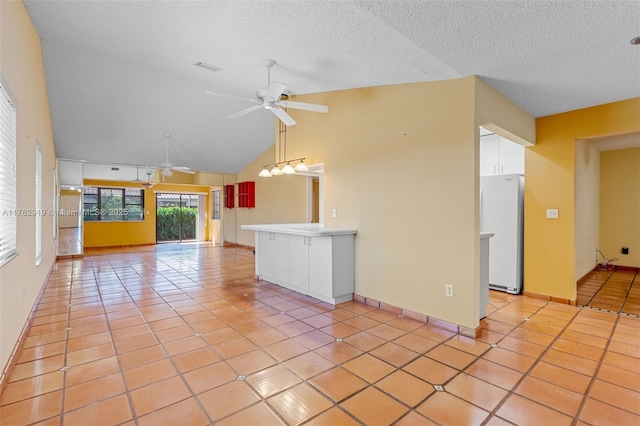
x=307 y=229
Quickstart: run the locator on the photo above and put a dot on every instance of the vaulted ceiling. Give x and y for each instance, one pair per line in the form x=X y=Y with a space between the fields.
x=120 y=75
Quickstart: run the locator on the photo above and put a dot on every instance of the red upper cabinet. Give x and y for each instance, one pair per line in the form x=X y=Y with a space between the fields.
x=229 y=194
x=247 y=194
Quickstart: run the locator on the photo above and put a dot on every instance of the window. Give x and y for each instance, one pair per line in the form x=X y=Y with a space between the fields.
x=38 y=216
x=113 y=204
x=215 y=194
x=8 y=213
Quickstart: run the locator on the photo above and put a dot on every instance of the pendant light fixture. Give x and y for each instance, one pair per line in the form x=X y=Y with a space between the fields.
x=288 y=169
x=264 y=173
x=301 y=167
x=275 y=171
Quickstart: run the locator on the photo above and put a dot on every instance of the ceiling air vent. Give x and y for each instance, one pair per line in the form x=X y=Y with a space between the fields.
x=115 y=169
x=207 y=66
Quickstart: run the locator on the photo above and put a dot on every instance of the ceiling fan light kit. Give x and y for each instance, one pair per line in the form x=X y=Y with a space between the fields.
x=274 y=99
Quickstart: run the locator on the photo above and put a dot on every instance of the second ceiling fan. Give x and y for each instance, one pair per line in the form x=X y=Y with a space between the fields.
x=274 y=99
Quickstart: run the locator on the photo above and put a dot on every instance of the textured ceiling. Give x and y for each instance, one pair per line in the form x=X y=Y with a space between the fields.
x=120 y=74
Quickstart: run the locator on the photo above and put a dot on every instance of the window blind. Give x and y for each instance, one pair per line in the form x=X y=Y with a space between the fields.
x=8 y=214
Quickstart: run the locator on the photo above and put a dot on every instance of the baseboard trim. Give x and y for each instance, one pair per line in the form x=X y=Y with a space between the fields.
x=626 y=268
x=472 y=333
x=586 y=276
x=549 y=298
x=228 y=244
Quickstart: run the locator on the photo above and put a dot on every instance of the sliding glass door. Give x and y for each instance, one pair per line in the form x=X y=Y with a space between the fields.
x=176 y=217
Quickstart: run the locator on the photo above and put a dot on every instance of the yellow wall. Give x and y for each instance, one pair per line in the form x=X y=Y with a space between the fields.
x=105 y=234
x=23 y=71
x=620 y=205
x=549 y=250
x=401 y=166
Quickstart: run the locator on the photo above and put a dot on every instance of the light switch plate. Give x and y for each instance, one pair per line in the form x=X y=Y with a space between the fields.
x=552 y=213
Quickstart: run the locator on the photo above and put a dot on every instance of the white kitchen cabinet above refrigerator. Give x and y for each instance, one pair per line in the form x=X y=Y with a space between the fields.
x=500 y=156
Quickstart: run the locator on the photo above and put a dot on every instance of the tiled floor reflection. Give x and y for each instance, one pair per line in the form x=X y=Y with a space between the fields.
x=69 y=241
x=183 y=335
x=616 y=290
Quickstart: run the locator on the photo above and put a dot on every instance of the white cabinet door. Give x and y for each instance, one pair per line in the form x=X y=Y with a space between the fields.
x=489 y=152
x=299 y=262
x=265 y=254
x=321 y=266
x=274 y=257
x=511 y=157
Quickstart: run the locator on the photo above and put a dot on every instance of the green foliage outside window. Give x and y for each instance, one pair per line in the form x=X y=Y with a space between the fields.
x=113 y=204
x=176 y=223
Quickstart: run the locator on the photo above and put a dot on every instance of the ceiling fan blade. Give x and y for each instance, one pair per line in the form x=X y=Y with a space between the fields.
x=245 y=111
x=231 y=96
x=183 y=169
x=305 y=106
x=283 y=116
x=275 y=90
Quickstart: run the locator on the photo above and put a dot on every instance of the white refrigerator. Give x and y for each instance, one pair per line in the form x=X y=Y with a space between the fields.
x=502 y=212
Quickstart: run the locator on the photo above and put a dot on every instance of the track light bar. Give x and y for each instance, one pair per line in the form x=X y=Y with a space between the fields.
x=288 y=169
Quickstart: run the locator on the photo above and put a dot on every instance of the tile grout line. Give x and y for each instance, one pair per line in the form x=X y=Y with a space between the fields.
x=593 y=378
x=526 y=373
x=170 y=358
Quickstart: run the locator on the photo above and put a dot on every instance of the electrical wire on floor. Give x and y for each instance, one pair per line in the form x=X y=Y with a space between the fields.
x=604 y=263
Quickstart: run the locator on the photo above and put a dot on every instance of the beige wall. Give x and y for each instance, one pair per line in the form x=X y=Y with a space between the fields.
x=549 y=246
x=587 y=211
x=620 y=205
x=70 y=203
x=279 y=199
x=22 y=69
x=207 y=178
x=401 y=166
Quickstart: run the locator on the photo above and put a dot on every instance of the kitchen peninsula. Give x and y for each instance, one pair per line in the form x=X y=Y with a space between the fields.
x=307 y=258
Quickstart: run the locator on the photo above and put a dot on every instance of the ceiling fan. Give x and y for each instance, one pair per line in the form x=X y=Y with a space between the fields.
x=274 y=99
x=167 y=167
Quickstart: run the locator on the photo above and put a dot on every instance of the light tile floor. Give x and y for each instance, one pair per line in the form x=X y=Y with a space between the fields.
x=69 y=241
x=183 y=335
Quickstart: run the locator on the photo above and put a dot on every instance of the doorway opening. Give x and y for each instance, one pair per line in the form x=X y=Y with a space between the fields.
x=176 y=217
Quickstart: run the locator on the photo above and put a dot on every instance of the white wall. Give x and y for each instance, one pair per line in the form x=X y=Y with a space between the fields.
x=587 y=207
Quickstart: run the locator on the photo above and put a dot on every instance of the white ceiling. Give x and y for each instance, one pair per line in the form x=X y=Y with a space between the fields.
x=120 y=74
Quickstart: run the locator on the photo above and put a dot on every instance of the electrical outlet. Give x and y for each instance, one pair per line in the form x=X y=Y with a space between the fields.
x=334 y=212
x=448 y=290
